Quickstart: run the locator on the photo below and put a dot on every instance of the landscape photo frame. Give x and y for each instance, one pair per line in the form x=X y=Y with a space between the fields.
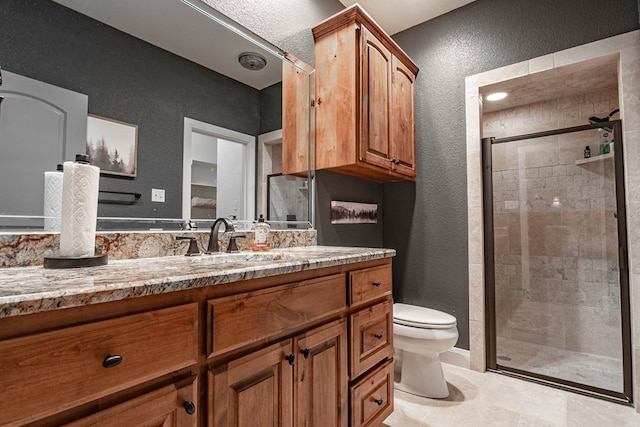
x=112 y=146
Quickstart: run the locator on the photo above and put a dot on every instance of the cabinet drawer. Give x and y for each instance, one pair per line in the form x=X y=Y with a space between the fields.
x=372 y=397
x=241 y=319
x=371 y=337
x=172 y=405
x=49 y=372
x=369 y=284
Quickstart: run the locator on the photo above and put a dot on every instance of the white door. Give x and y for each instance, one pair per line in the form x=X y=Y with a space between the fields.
x=41 y=125
x=218 y=172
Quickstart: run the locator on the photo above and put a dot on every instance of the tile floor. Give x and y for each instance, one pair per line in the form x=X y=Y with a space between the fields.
x=597 y=371
x=489 y=399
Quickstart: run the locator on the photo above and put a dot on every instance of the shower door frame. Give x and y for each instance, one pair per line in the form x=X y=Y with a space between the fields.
x=626 y=397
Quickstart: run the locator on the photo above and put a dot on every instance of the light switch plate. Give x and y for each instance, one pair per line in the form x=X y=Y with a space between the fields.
x=157 y=195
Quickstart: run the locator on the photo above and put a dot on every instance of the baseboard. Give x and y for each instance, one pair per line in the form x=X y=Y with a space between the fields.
x=457 y=357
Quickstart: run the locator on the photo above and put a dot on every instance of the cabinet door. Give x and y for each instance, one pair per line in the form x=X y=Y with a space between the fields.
x=173 y=405
x=321 y=377
x=254 y=390
x=376 y=80
x=402 y=119
x=297 y=129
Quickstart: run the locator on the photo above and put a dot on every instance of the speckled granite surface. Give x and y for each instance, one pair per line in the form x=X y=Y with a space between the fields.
x=22 y=250
x=25 y=290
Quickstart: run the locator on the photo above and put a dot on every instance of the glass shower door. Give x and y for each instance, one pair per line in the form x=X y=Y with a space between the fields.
x=559 y=284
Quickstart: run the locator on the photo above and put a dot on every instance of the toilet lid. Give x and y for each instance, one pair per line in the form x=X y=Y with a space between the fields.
x=421 y=317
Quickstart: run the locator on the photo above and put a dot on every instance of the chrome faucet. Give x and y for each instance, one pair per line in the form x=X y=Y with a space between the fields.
x=213 y=246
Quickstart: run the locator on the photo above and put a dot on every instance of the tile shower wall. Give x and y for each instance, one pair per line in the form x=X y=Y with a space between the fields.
x=557 y=281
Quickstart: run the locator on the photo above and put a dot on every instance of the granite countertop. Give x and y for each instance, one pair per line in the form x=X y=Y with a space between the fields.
x=25 y=290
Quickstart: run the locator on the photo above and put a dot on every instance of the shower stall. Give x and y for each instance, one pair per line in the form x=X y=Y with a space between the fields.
x=557 y=289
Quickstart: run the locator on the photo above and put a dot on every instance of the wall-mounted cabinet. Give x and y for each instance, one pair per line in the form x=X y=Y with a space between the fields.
x=364 y=100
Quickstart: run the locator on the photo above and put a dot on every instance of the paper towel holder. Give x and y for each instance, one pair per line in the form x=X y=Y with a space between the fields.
x=75 y=262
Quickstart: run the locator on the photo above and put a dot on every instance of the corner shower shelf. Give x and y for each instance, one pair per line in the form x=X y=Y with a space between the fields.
x=595 y=159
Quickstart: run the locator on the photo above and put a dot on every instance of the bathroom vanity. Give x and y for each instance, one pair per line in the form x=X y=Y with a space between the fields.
x=293 y=337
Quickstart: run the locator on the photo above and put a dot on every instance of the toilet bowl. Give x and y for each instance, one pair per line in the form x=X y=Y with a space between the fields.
x=419 y=336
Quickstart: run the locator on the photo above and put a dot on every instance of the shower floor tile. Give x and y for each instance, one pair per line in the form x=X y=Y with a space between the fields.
x=596 y=371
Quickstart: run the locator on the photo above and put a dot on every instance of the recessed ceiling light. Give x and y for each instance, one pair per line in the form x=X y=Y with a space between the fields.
x=496 y=96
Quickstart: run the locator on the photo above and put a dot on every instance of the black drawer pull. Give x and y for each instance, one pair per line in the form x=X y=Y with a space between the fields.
x=290 y=358
x=189 y=407
x=377 y=284
x=111 y=361
x=379 y=401
x=305 y=353
x=378 y=336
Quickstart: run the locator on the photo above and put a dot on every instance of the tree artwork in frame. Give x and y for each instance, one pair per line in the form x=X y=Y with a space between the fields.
x=112 y=146
x=353 y=213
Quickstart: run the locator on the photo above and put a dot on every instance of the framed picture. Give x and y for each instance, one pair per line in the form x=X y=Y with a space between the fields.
x=112 y=146
x=353 y=213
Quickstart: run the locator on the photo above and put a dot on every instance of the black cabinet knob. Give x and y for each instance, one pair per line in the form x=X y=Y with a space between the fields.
x=305 y=353
x=189 y=407
x=379 y=401
x=290 y=358
x=111 y=361
x=377 y=284
x=378 y=336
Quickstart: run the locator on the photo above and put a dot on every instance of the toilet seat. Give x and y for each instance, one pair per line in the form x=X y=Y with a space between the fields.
x=421 y=317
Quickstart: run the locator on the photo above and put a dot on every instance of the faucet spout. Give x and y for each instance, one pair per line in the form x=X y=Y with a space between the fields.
x=213 y=246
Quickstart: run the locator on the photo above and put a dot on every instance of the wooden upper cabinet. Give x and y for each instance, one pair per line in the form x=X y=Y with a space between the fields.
x=365 y=100
x=297 y=128
x=403 y=119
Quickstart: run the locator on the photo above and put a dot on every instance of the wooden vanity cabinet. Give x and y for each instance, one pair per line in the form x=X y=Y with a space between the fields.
x=172 y=405
x=310 y=348
x=53 y=371
x=365 y=100
x=296 y=382
x=371 y=345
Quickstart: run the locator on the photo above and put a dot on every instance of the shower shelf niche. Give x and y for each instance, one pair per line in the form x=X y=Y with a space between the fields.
x=598 y=158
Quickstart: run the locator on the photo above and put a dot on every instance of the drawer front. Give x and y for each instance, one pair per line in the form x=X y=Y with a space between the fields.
x=49 y=372
x=371 y=337
x=172 y=405
x=370 y=284
x=241 y=319
x=372 y=397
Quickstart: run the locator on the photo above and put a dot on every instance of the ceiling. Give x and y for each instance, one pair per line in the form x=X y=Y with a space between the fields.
x=190 y=34
x=397 y=15
x=178 y=28
x=562 y=82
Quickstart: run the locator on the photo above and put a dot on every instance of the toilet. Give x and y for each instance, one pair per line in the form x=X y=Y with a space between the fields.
x=419 y=336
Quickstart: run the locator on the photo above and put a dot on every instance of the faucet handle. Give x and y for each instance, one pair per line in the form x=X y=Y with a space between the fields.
x=193 y=245
x=233 y=247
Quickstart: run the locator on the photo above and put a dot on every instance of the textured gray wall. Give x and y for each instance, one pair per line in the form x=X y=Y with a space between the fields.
x=426 y=221
x=138 y=83
x=429 y=231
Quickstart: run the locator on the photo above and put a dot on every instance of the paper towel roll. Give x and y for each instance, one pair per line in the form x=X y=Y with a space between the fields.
x=79 y=209
x=52 y=199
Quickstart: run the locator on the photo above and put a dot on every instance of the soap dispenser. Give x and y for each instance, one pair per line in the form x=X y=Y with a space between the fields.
x=261 y=240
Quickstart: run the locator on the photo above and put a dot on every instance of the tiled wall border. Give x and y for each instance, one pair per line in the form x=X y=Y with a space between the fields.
x=627 y=48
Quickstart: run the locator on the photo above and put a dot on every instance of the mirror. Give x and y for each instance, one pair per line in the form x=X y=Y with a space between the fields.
x=171 y=70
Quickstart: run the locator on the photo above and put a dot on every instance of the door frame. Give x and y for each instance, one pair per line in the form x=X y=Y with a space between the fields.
x=249 y=142
x=626 y=397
